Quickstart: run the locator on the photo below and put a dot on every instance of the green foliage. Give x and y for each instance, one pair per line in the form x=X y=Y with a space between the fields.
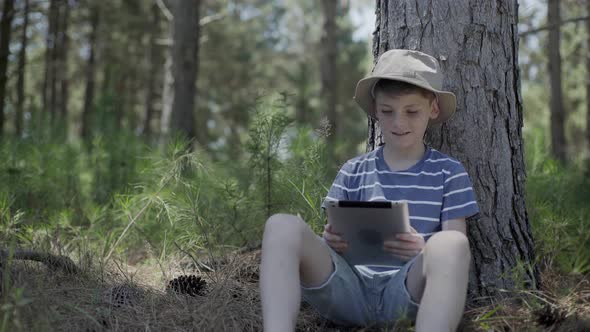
x=118 y=194
x=557 y=201
x=266 y=132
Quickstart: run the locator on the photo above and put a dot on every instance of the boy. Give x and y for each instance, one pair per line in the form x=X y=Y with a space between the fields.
x=428 y=277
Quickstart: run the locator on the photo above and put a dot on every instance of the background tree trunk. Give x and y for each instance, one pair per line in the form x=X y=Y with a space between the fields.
x=153 y=63
x=588 y=81
x=329 y=73
x=22 y=61
x=90 y=74
x=554 y=66
x=478 y=53
x=53 y=50
x=167 y=94
x=49 y=41
x=185 y=47
x=62 y=54
x=5 y=30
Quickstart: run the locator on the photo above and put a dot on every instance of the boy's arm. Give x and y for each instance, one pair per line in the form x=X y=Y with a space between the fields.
x=458 y=224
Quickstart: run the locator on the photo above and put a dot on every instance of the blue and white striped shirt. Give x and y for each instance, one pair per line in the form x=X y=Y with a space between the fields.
x=437 y=188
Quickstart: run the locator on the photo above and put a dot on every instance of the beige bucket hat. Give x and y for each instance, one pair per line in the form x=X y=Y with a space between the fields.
x=408 y=66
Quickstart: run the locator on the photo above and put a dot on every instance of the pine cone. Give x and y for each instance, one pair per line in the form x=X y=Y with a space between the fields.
x=189 y=285
x=120 y=295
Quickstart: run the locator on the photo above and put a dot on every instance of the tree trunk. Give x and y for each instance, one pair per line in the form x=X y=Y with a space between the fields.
x=478 y=52
x=50 y=81
x=167 y=94
x=588 y=81
x=90 y=74
x=62 y=68
x=5 y=30
x=185 y=47
x=328 y=69
x=49 y=42
x=22 y=61
x=153 y=62
x=554 y=66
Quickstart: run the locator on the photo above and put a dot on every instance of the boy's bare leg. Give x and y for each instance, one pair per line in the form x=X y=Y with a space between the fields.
x=438 y=281
x=291 y=255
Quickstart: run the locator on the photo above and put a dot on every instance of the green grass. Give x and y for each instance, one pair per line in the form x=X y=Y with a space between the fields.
x=558 y=200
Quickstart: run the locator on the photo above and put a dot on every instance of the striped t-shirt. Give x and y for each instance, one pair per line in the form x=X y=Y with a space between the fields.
x=437 y=188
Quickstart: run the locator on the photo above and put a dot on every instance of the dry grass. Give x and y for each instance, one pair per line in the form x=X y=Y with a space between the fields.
x=126 y=298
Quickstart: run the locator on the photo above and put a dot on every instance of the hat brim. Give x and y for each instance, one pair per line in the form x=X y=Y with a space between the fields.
x=446 y=100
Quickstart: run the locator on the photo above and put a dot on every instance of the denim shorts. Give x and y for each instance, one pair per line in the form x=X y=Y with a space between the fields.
x=354 y=297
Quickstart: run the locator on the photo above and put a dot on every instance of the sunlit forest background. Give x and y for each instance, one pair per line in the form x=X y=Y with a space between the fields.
x=160 y=136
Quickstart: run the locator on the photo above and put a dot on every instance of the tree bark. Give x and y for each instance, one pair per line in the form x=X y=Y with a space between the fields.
x=52 y=48
x=588 y=81
x=167 y=94
x=48 y=51
x=153 y=62
x=558 y=144
x=5 y=30
x=185 y=36
x=329 y=73
x=90 y=74
x=62 y=68
x=22 y=61
x=476 y=43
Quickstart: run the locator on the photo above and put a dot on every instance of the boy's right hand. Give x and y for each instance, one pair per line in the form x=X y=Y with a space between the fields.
x=334 y=240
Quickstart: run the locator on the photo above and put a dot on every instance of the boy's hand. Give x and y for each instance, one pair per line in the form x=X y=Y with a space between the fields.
x=334 y=240
x=405 y=246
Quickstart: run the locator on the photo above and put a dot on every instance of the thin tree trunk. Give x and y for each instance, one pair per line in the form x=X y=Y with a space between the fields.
x=5 y=30
x=167 y=94
x=153 y=62
x=478 y=53
x=22 y=61
x=328 y=68
x=54 y=56
x=50 y=44
x=558 y=144
x=62 y=68
x=588 y=81
x=185 y=50
x=90 y=74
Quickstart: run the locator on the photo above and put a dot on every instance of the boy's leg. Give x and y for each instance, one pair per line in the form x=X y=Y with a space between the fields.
x=292 y=255
x=438 y=281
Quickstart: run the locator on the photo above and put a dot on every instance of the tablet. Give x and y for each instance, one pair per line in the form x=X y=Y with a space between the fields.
x=365 y=225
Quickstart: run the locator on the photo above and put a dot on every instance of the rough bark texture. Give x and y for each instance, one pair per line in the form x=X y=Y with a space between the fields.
x=5 y=30
x=554 y=67
x=185 y=48
x=22 y=61
x=329 y=74
x=90 y=73
x=476 y=43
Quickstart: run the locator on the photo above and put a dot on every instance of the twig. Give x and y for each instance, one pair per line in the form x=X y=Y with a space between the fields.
x=164 y=10
x=551 y=26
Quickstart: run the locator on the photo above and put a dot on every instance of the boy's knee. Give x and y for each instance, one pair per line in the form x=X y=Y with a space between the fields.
x=283 y=223
x=448 y=247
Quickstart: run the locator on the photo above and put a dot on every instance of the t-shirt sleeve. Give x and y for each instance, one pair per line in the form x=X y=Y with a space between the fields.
x=338 y=188
x=458 y=197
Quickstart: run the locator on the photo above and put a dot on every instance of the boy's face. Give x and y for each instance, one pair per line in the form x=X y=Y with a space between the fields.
x=404 y=118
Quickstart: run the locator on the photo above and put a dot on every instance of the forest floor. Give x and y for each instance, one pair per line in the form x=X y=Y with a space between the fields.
x=134 y=297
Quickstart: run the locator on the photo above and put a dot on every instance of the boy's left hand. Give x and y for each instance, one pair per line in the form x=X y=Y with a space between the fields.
x=405 y=246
